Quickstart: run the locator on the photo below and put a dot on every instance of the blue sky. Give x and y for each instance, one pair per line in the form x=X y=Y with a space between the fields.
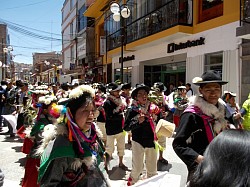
x=42 y=15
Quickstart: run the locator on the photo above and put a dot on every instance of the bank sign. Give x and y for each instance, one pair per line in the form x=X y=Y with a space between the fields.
x=172 y=47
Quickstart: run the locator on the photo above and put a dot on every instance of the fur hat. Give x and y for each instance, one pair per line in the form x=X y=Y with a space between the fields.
x=210 y=76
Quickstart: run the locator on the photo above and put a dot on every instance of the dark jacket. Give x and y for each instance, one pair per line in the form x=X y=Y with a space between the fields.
x=141 y=133
x=190 y=140
x=114 y=121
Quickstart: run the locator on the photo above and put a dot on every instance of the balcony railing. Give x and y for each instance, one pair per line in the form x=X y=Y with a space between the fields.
x=176 y=12
x=245 y=11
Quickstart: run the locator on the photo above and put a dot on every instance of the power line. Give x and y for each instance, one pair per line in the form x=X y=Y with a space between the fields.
x=22 y=26
x=31 y=4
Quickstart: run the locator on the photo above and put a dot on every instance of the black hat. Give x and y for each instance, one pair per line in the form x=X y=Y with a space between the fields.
x=21 y=84
x=139 y=87
x=159 y=86
x=112 y=87
x=101 y=87
x=126 y=86
x=4 y=83
x=210 y=76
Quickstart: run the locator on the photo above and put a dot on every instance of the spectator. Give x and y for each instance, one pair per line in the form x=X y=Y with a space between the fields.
x=226 y=161
x=201 y=121
x=245 y=111
x=233 y=114
x=2 y=101
x=189 y=90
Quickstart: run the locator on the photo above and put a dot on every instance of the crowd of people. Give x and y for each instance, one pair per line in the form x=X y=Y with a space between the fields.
x=70 y=132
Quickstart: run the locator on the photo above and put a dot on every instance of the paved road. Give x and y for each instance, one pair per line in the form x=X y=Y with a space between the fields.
x=12 y=162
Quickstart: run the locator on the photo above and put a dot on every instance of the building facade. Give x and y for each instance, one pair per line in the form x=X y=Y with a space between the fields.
x=78 y=48
x=4 y=52
x=172 y=41
x=243 y=32
x=43 y=63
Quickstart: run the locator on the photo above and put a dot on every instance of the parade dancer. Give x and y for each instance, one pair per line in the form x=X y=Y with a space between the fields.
x=158 y=98
x=114 y=108
x=72 y=152
x=33 y=160
x=126 y=93
x=201 y=121
x=141 y=119
x=100 y=98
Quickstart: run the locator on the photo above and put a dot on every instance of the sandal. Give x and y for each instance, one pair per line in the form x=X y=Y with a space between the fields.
x=123 y=167
x=163 y=161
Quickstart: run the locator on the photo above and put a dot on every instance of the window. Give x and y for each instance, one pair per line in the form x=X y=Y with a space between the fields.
x=209 y=9
x=72 y=53
x=71 y=29
x=82 y=20
x=71 y=4
x=214 y=61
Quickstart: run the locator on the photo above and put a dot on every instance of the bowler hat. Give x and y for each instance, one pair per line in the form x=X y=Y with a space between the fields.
x=210 y=76
x=159 y=86
x=112 y=87
x=101 y=87
x=139 y=87
x=126 y=86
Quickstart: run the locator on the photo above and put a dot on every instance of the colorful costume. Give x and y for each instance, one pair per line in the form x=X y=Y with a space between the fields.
x=71 y=157
x=199 y=124
x=33 y=160
x=143 y=139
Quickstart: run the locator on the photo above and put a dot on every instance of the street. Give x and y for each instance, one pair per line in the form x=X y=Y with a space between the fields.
x=12 y=163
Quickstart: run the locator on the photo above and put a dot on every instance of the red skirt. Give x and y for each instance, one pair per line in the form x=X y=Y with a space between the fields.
x=31 y=172
x=20 y=132
x=176 y=120
x=27 y=145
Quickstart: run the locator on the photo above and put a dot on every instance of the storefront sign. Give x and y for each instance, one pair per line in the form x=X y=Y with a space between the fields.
x=102 y=45
x=127 y=58
x=172 y=47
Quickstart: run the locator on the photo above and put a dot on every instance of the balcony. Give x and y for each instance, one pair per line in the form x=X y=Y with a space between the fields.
x=176 y=12
x=244 y=30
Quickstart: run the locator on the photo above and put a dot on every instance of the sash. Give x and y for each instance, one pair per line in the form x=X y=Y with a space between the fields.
x=207 y=120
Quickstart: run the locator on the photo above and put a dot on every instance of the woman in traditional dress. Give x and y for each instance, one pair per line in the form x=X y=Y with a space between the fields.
x=72 y=150
x=33 y=160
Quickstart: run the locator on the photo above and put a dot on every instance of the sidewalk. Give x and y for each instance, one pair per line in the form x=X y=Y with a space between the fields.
x=10 y=183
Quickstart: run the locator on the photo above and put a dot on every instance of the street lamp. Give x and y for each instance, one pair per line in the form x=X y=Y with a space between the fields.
x=120 y=12
x=47 y=63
